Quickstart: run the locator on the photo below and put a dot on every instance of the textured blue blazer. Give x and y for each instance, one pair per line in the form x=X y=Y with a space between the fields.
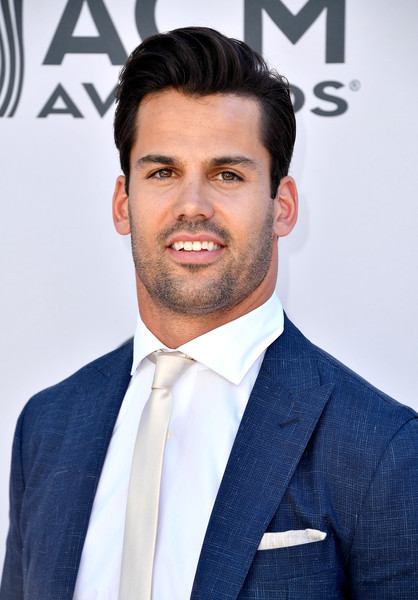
x=317 y=448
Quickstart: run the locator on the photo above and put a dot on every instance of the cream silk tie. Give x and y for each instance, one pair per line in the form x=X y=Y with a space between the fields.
x=144 y=486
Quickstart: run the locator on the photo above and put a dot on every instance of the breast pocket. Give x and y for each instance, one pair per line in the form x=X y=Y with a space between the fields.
x=304 y=572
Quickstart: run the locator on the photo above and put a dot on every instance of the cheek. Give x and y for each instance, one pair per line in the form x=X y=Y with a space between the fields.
x=257 y=221
x=149 y=204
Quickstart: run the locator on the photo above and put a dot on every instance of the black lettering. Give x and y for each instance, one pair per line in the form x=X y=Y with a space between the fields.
x=298 y=97
x=145 y=18
x=340 y=104
x=107 y=42
x=69 y=109
x=294 y=26
x=102 y=107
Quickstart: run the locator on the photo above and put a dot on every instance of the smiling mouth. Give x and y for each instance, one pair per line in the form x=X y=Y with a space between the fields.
x=195 y=246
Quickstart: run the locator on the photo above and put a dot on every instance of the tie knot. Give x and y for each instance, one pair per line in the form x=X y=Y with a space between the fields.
x=169 y=367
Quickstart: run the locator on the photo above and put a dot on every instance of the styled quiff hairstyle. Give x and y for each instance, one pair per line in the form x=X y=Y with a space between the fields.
x=199 y=61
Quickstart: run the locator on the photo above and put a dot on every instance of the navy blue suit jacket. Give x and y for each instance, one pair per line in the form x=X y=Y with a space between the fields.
x=317 y=448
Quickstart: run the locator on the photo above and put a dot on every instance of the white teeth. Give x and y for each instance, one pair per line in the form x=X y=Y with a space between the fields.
x=178 y=245
x=195 y=246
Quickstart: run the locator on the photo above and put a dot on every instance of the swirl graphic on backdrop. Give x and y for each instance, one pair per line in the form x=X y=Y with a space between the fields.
x=11 y=56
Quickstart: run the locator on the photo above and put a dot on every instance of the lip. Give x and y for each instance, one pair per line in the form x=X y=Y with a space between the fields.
x=201 y=257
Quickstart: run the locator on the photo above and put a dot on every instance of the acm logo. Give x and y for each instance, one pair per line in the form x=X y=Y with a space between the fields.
x=108 y=42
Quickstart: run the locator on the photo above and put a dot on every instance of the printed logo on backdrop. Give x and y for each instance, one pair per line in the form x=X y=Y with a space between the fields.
x=108 y=41
x=11 y=56
x=294 y=26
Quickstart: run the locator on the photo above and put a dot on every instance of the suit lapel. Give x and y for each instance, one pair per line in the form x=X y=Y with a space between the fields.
x=282 y=412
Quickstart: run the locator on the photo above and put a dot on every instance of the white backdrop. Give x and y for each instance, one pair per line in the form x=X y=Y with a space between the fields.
x=348 y=271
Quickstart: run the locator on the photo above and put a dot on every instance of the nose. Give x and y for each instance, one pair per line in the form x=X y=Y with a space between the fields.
x=193 y=202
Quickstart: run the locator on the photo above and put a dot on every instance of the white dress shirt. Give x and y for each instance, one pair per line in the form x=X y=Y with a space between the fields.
x=208 y=403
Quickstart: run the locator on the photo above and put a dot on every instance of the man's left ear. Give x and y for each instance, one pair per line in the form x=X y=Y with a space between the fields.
x=286 y=206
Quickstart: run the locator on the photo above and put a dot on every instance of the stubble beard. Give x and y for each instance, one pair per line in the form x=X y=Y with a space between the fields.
x=189 y=295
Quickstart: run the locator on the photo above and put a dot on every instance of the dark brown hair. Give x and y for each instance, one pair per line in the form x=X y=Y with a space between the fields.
x=201 y=61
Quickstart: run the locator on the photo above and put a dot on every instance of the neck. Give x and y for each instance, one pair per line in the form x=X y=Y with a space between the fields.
x=174 y=329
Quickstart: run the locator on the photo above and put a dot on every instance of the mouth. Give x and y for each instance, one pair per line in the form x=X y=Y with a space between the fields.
x=199 y=249
x=195 y=246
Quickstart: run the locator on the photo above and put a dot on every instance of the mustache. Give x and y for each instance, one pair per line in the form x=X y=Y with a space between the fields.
x=194 y=228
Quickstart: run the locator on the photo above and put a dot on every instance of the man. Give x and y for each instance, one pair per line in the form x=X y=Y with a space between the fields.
x=284 y=475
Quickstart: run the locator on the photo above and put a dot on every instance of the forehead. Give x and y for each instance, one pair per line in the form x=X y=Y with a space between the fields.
x=230 y=104
x=172 y=117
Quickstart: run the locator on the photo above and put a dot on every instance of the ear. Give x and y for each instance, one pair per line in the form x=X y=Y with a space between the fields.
x=120 y=207
x=286 y=203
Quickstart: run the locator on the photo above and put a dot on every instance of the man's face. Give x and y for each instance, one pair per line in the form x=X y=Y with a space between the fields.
x=203 y=222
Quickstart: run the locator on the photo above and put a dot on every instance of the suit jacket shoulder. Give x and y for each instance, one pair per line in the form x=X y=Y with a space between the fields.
x=298 y=364
x=84 y=385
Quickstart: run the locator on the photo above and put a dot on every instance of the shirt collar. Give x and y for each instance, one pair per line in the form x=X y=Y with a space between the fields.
x=244 y=339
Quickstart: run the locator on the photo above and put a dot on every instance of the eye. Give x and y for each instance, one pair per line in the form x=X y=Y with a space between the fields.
x=228 y=176
x=163 y=174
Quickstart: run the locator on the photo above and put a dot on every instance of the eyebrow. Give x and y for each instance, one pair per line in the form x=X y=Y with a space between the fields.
x=155 y=159
x=162 y=159
x=233 y=160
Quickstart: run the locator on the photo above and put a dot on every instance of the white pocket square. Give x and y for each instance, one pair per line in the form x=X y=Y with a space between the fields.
x=284 y=539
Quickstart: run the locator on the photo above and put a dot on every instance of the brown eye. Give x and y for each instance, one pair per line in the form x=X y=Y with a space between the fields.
x=164 y=173
x=228 y=176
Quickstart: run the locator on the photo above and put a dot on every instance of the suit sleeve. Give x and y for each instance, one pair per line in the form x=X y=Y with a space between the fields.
x=12 y=580
x=384 y=555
